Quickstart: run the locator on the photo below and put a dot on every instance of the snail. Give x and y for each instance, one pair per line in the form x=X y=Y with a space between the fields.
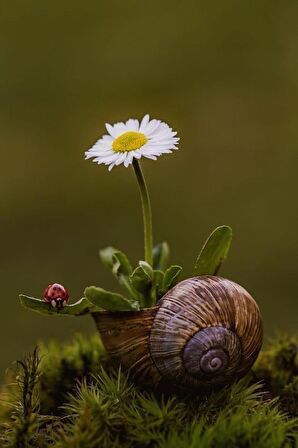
x=206 y=330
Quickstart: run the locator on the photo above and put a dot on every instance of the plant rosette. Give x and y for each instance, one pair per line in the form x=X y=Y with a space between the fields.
x=197 y=332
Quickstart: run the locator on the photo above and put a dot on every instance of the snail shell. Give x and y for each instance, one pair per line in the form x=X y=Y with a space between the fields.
x=205 y=331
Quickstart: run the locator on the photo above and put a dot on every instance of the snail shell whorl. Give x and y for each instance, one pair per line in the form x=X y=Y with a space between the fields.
x=211 y=351
x=207 y=330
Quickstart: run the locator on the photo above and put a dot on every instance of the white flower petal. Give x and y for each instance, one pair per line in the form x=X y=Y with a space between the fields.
x=137 y=154
x=110 y=130
x=129 y=159
x=108 y=159
x=162 y=142
x=132 y=125
x=150 y=156
x=144 y=123
x=106 y=138
x=121 y=158
x=97 y=150
x=152 y=126
x=119 y=128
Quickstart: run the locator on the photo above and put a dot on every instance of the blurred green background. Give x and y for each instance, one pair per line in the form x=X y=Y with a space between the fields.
x=222 y=73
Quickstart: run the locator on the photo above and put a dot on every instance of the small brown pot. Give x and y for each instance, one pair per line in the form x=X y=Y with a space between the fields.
x=126 y=336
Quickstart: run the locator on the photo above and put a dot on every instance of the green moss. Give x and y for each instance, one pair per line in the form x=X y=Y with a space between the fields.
x=62 y=366
x=78 y=400
x=277 y=367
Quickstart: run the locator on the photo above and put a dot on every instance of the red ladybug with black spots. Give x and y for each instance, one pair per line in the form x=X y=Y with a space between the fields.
x=56 y=296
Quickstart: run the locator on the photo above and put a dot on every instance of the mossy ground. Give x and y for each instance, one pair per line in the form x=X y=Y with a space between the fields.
x=70 y=396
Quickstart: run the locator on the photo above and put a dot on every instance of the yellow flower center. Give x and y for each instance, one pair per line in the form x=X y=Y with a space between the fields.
x=129 y=141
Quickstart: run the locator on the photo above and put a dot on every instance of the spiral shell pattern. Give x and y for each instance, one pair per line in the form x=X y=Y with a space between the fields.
x=207 y=330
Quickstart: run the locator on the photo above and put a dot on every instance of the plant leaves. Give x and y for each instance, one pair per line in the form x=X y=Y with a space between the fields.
x=106 y=256
x=119 y=264
x=142 y=280
x=158 y=284
x=147 y=269
x=108 y=300
x=171 y=277
x=116 y=261
x=83 y=306
x=161 y=253
x=214 y=251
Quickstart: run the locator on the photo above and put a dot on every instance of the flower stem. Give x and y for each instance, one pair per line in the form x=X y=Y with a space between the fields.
x=147 y=215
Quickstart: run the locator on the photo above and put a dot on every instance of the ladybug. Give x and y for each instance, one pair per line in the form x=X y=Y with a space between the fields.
x=56 y=296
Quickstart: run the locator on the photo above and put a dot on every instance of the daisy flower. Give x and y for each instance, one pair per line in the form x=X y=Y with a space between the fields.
x=133 y=140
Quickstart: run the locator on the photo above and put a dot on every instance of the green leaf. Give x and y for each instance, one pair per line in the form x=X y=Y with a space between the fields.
x=119 y=264
x=116 y=261
x=106 y=256
x=147 y=269
x=141 y=280
x=214 y=251
x=171 y=277
x=83 y=306
x=158 y=284
x=108 y=300
x=161 y=253
x=158 y=277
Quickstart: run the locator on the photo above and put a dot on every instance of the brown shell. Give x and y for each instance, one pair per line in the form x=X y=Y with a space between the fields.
x=125 y=335
x=206 y=330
